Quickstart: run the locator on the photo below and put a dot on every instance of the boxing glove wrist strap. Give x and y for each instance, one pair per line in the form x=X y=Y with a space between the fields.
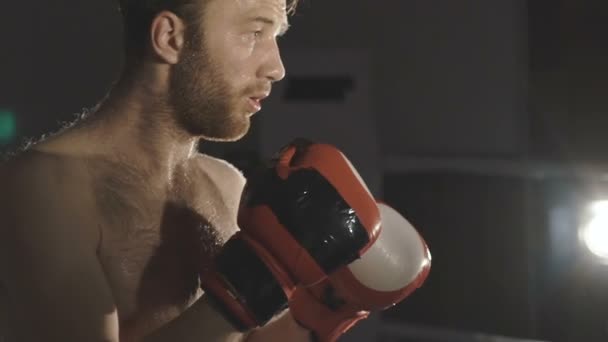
x=245 y=286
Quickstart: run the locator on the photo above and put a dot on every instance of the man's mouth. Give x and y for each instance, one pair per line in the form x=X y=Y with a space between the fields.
x=255 y=101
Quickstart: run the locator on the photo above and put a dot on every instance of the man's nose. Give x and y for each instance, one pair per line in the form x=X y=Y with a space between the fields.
x=273 y=68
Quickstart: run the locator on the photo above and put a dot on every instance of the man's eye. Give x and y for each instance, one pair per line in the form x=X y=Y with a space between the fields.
x=257 y=33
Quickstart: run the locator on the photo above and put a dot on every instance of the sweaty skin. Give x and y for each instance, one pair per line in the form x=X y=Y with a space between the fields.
x=106 y=223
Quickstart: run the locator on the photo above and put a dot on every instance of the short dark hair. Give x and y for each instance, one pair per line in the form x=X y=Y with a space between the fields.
x=138 y=16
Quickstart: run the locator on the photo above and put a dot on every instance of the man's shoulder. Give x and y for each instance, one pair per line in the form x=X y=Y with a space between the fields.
x=26 y=174
x=36 y=173
x=45 y=233
x=216 y=191
x=42 y=191
x=220 y=173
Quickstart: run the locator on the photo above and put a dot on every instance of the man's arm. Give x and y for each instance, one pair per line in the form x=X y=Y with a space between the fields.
x=283 y=328
x=50 y=267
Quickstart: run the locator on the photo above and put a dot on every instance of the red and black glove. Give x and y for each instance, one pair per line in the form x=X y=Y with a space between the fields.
x=302 y=218
x=391 y=269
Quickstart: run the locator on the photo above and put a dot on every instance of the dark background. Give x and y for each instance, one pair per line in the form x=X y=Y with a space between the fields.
x=490 y=121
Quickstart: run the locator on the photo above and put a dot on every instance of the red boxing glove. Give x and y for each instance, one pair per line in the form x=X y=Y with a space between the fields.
x=391 y=269
x=301 y=219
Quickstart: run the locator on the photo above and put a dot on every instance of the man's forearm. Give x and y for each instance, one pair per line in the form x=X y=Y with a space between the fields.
x=200 y=323
x=281 y=328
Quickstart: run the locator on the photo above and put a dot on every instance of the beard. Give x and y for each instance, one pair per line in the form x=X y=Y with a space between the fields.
x=203 y=102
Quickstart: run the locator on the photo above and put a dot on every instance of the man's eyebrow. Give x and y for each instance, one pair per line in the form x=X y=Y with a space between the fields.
x=266 y=20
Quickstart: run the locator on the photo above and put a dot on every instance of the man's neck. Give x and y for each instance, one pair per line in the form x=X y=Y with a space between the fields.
x=134 y=124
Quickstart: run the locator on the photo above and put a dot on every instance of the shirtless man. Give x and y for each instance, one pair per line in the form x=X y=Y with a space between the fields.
x=89 y=249
x=112 y=227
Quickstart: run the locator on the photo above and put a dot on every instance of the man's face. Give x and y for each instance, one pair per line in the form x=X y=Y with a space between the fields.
x=227 y=67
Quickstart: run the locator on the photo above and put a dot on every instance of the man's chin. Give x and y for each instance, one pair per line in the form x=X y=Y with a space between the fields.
x=234 y=135
x=223 y=139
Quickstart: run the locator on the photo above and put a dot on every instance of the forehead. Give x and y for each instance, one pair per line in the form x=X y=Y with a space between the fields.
x=275 y=8
x=277 y=5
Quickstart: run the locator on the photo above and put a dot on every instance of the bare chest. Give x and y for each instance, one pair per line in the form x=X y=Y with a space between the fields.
x=154 y=241
x=152 y=261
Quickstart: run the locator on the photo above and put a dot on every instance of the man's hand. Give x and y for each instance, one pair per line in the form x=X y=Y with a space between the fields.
x=306 y=215
x=392 y=268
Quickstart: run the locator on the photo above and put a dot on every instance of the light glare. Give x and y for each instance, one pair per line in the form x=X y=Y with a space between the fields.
x=595 y=233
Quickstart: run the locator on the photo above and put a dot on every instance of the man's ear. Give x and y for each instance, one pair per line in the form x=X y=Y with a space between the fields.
x=167 y=36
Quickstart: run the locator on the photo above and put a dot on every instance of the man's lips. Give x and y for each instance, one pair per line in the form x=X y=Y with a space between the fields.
x=256 y=100
x=256 y=104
